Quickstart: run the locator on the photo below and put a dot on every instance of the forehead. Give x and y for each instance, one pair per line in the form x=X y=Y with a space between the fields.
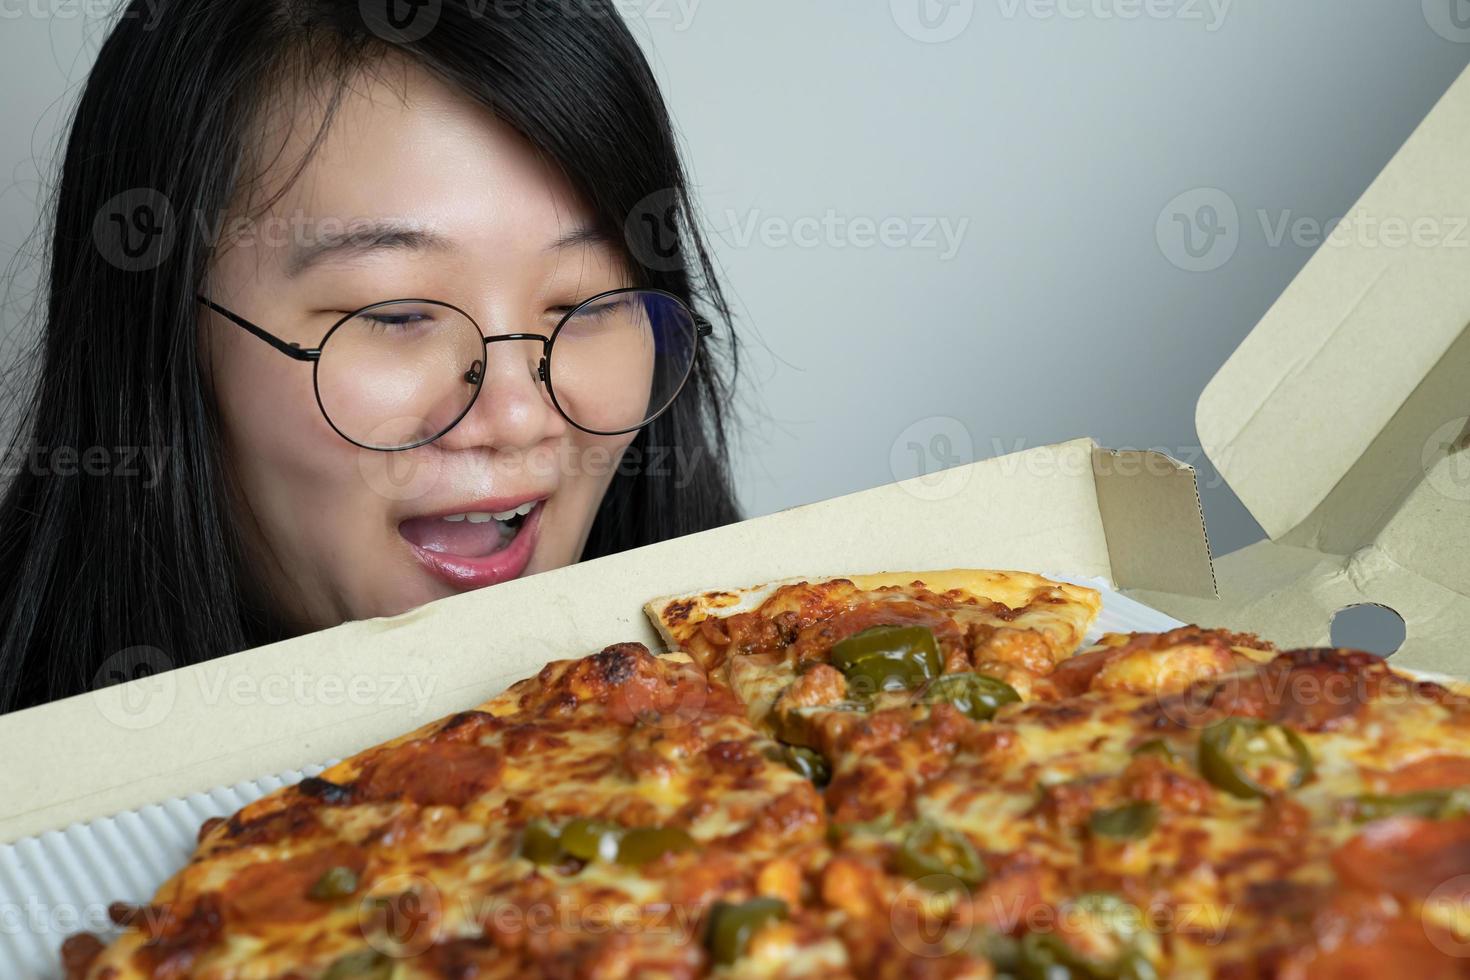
x=402 y=144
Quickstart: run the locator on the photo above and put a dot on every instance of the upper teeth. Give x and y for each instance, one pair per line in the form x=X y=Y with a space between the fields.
x=485 y=517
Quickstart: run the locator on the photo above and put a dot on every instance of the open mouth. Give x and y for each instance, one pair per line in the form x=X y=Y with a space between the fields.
x=474 y=534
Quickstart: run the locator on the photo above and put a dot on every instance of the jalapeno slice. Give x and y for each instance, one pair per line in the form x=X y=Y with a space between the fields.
x=366 y=964
x=1432 y=804
x=1232 y=752
x=808 y=763
x=929 y=850
x=591 y=840
x=540 y=843
x=796 y=726
x=599 y=840
x=877 y=827
x=888 y=658
x=1158 y=747
x=1130 y=821
x=732 y=924
x=1046 y=956
x=336 y=882
x=644 y=844
x=975 y=695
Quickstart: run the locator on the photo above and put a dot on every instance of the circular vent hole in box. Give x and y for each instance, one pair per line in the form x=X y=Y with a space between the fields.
x=1369 y=626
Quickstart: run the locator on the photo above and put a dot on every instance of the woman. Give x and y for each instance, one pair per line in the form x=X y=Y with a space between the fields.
x=350 y=310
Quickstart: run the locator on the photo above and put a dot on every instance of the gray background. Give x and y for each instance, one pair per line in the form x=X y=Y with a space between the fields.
x=1049 y=135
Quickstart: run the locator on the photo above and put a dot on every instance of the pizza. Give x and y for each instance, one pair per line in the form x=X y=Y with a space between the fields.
x=568 y=827
x=906 y=775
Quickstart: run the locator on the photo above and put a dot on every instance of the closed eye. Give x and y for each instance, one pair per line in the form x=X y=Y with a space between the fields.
x=393 y=319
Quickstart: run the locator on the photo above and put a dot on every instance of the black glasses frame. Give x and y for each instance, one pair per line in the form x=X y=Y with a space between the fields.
x=702 y=329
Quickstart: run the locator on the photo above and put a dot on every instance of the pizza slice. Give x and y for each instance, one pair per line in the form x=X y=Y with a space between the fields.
x=614 y=816
x=811 y=659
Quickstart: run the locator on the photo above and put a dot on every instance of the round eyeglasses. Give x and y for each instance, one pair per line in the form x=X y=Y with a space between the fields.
x=399 y=374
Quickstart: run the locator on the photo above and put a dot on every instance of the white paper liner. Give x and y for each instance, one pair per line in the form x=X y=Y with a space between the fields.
x=62 y=882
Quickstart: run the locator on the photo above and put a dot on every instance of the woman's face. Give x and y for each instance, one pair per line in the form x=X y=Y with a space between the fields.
x=336 y=532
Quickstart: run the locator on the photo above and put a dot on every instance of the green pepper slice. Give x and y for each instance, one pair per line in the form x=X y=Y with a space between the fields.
x=591 y=840
x=540 y=843
x=644 y=844
x=1130 y=821
x=1046 y=956
x=1432 y=804
x=335 y=882
x=929 y=850
x=796 y=726
x=1230 y=750
x=888 y=658
x=809 y=763
x=732 y=924
x=1119 y=917
x=1159 y=747
x=975 y=695
x=876 y=827
x=365 y=964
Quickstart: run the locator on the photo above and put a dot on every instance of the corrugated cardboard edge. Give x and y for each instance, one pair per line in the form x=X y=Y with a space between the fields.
x=1150 y=504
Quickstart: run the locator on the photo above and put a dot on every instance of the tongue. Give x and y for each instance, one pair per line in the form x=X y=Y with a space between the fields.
x=459 y=538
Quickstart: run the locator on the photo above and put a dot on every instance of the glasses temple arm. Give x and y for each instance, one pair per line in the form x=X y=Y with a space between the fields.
x=290 y=350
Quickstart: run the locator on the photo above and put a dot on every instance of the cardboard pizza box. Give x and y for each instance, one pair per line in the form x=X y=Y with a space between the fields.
x=1340 y=422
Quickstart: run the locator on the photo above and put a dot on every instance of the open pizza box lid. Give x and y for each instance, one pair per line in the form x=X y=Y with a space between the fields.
x=1341 y=423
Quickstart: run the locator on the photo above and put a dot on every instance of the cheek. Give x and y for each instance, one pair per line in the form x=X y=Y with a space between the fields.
x=588 y=464
x=601 y=458
x=299 y=478
x=274 y=431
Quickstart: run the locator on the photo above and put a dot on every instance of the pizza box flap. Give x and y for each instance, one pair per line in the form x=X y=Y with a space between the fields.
x=1072 y=509
x=1341 y=420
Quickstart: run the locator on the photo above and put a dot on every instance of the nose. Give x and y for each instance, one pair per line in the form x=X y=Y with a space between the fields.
x=513 y=410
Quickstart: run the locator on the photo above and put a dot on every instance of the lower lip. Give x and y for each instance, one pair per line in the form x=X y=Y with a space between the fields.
x=476 y=573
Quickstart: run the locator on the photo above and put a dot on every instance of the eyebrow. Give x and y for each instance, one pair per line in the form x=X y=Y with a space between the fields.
x=378 y=236
x=363 y=239
x=583 y=235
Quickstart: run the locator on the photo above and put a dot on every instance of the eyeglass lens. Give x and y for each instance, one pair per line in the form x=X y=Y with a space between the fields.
x=401 y=374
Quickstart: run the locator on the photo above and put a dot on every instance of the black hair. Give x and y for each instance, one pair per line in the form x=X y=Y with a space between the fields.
x=94 y=561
